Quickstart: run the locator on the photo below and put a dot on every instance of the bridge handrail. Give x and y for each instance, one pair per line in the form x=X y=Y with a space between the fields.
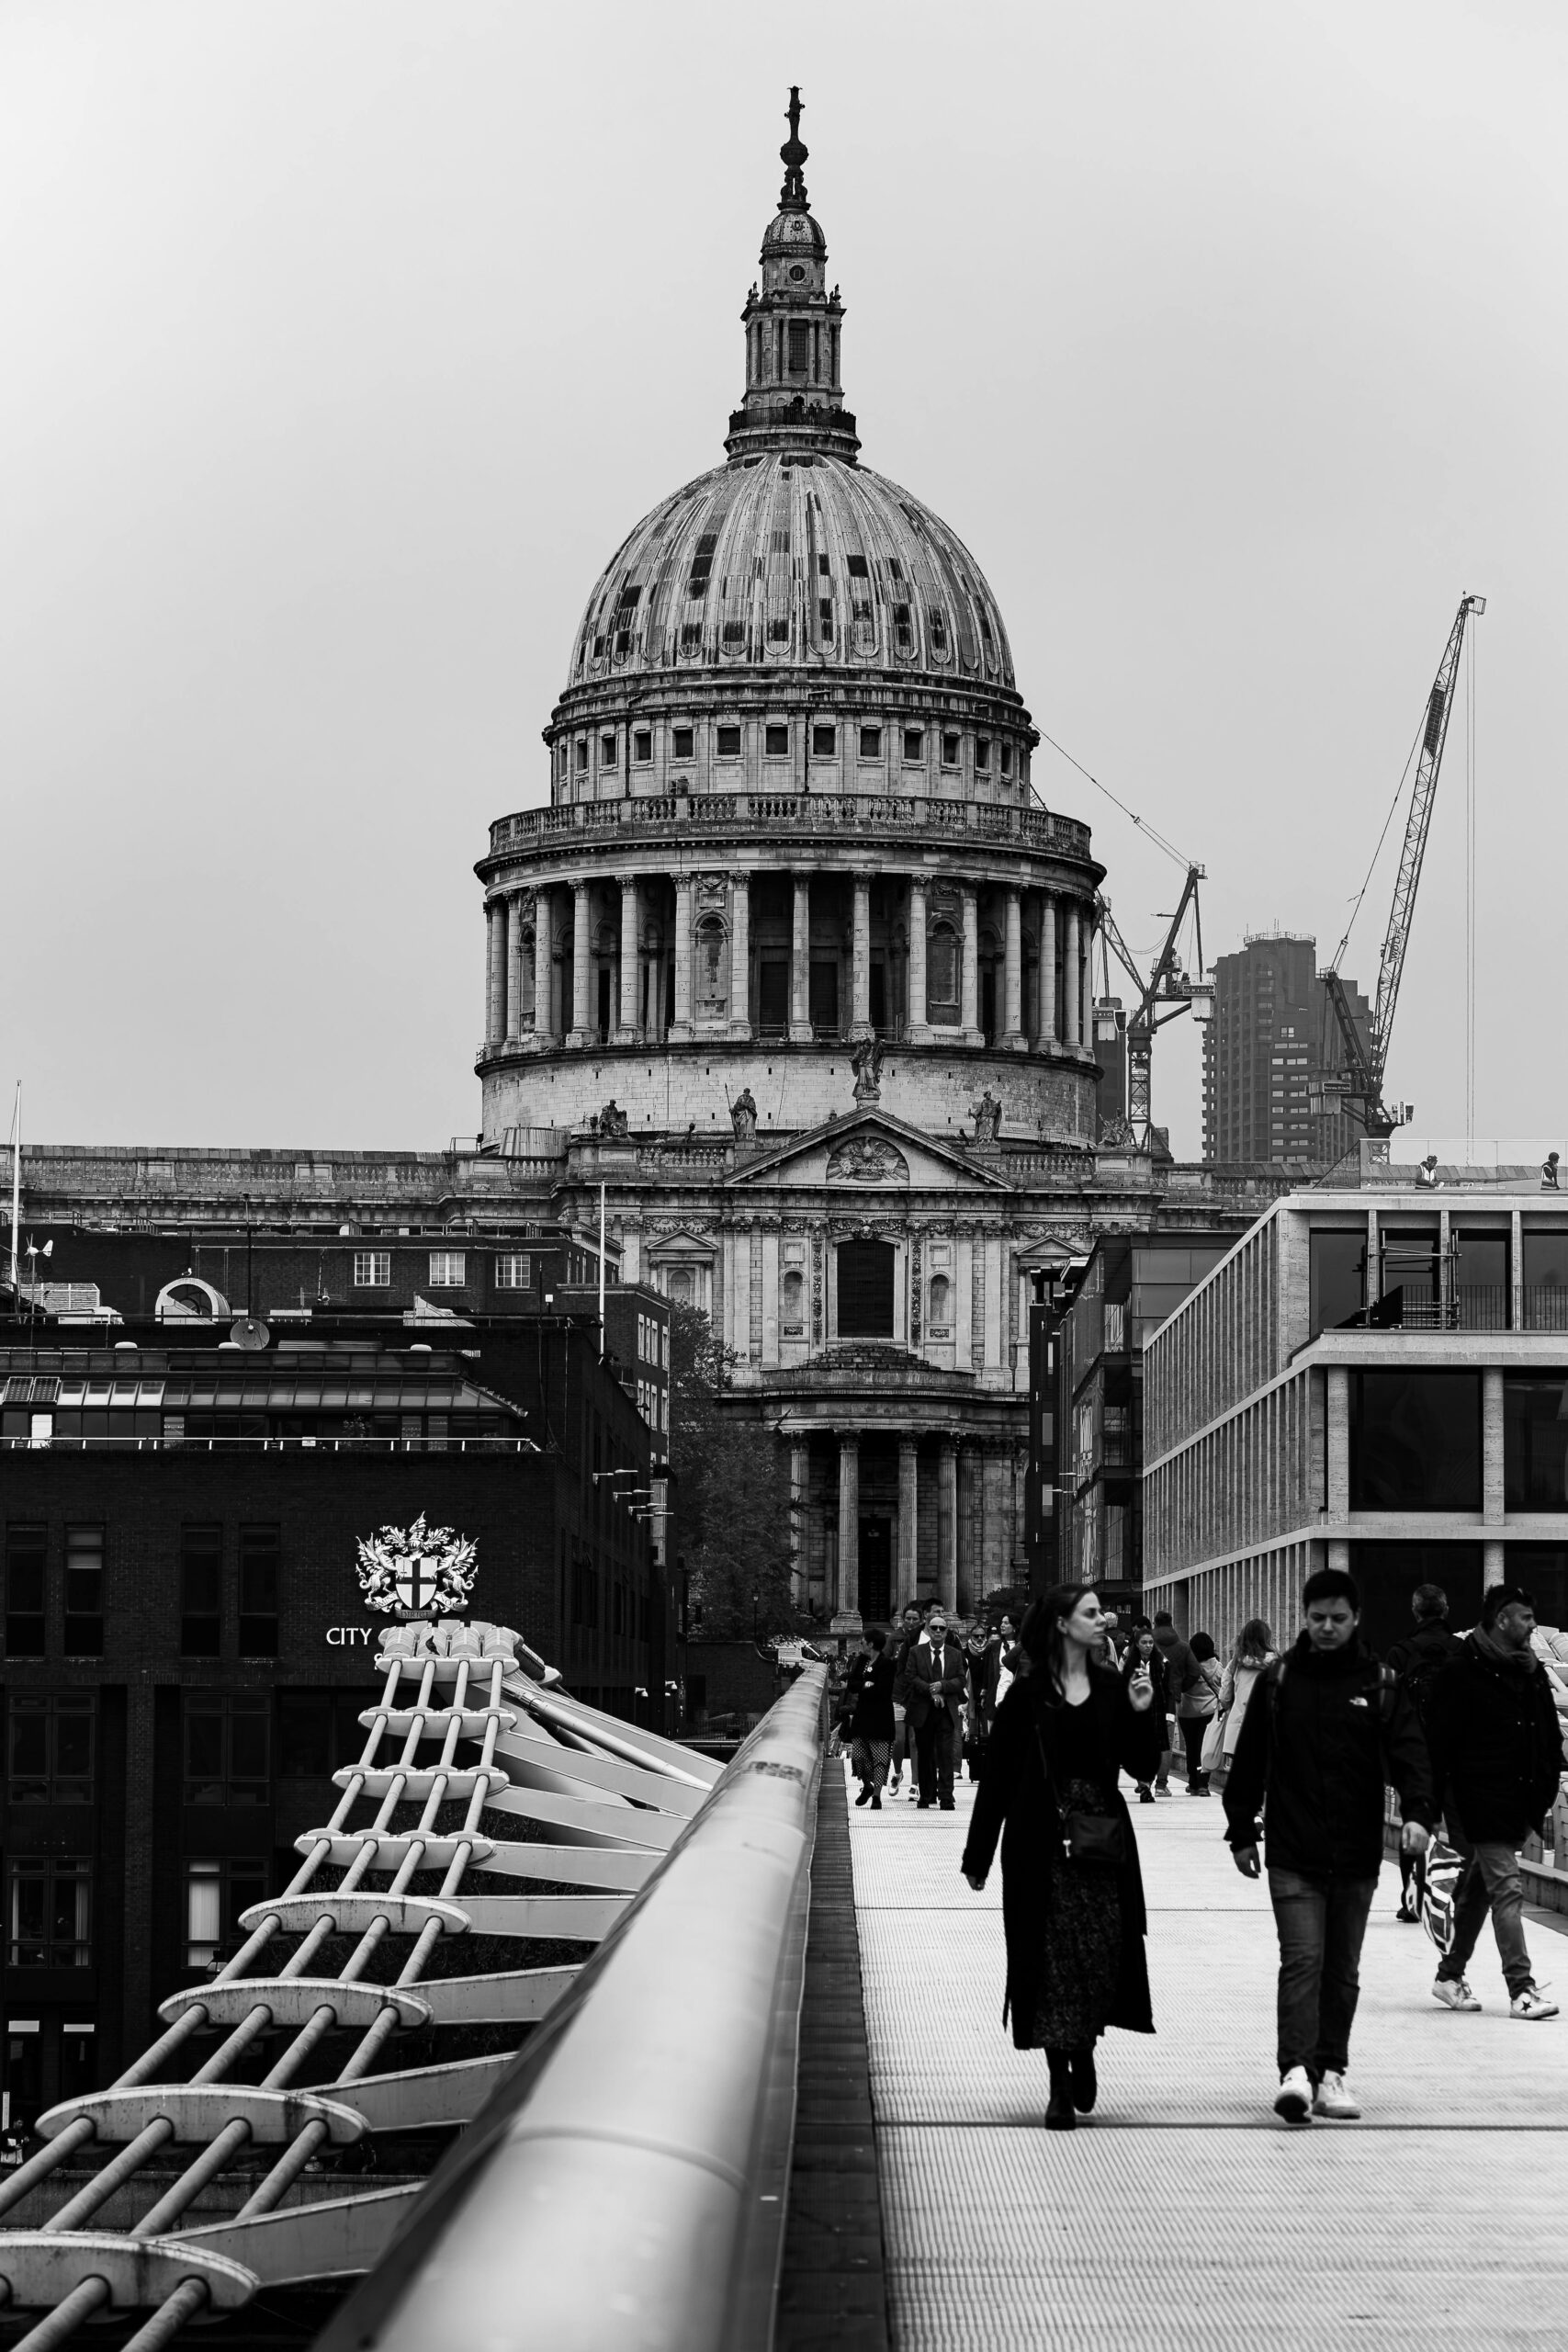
x=625 y=2178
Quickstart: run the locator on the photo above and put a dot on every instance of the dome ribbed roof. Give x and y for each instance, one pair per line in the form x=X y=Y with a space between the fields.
x=739 y=565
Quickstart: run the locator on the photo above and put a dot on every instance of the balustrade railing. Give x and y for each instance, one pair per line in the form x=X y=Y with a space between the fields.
x=698 y=815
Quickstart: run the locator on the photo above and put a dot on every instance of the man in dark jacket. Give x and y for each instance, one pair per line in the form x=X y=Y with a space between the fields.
x=1418 y=1660
x=936 y=1682
x=906 y=1635
x=1496 y=1754
x=1180 y=1674
x=1325 y=1728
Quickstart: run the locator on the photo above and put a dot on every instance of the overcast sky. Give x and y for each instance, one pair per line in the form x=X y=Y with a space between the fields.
x=346 y=339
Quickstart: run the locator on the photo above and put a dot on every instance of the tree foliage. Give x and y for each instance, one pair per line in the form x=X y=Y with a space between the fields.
x=735 y=1503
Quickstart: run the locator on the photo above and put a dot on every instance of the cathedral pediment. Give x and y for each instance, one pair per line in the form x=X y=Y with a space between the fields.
x=869 y=1152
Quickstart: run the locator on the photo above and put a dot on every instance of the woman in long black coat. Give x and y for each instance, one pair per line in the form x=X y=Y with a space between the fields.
x=1075 y=1928
x=870 y=1724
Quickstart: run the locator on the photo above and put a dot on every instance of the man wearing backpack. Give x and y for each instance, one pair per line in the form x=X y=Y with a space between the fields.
x=1418 y=1661
x=1327 y=1726
x=1181 y=1675
x=1497 y=1756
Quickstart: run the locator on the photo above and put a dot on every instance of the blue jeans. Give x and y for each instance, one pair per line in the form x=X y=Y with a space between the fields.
x=1490 y=1881
x=1321 y=1922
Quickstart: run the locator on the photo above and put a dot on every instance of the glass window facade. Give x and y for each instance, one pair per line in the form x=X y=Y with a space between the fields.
x=1338 y=1277
x=1535 y=1441
x=50 y=1748
x=49 y=1913
x=1415 y=1440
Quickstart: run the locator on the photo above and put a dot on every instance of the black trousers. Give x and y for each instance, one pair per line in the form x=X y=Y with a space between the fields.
x=934 y=1751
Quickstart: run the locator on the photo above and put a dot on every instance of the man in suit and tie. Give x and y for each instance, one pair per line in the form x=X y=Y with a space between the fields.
x=935 y=1706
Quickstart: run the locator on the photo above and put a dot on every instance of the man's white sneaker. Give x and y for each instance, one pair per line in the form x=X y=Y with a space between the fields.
x=1531 y=2003
x=1334 y=2099
x=1454 y=1992
x=1295 y=2102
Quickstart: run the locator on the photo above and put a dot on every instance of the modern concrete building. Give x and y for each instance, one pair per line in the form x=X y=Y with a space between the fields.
x=1271 y=1041
x=1374 y=1378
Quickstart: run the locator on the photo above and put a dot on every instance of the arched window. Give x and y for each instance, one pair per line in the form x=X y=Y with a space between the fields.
x=942 y=973
x=939 y=1296
x=793 y=1304
x=682 y=1286
x=712 y=977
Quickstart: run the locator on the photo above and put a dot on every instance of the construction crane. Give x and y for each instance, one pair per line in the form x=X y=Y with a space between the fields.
x=1358 y=1085
x=1167 y=985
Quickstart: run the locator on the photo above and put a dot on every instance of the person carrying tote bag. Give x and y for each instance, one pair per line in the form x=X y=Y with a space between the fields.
x=1254 y=1649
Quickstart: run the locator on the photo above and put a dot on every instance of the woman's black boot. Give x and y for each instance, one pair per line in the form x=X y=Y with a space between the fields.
x=1059 y=2116
x=1086 y=2082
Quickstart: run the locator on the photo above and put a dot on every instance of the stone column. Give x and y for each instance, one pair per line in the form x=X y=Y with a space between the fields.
x=846 y=1617
x=583 y=1012
x=1493 y=1489
x=625 y=1028
x=514 y=975
x=860 y=962
x=919 y=1025
x=969 y=986
x=1072 y=1016
x=681 y=1027
x=1047 y=969
x=800 y=964
x=544 y=995
x=1012 y=976
x=908 y=1523
x=1336 y=1441
x=947 y=1523
x=1086 y=983
x=495 y=970
x=740 y=955
x=800 y=1486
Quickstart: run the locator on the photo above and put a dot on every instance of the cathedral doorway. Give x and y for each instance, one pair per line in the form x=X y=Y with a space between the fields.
x=875 y=1570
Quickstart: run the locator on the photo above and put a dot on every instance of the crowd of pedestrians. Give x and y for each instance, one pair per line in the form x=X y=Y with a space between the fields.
x=1302 y=1744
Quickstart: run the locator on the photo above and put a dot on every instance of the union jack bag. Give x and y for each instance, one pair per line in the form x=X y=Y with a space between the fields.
x=1441 y=1879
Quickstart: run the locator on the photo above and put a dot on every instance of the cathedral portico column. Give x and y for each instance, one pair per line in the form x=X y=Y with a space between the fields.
x=947 y=1523
x=681 y=1027
x=860 y=963
x=918 y=1026
x=1047 y=969
x=626 y=1027
x=1086 y=984
x=514 y=967
x=1012 y=975
x=543 y=1006
x=582 y=946
x=800 y=964
x=495 y=971
x=969 y=997
x=846 y=1617
x=740 y=955
x=908 y=1523
x=1072 y=1010
x=799 y=1485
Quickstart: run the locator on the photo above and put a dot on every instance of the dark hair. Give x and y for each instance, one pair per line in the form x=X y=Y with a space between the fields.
x=1203 y=1648
x=1499 y=1597
x=876 y=1636
x=1332 y=1584
x=1163 y=1617
x=910 y=1608
x=1429 y=1601
x=1039 y=1636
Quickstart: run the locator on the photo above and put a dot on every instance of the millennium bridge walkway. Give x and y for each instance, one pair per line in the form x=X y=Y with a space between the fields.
x=562 y=2039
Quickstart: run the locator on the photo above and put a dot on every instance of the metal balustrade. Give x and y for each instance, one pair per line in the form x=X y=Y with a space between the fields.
x=466 y=1719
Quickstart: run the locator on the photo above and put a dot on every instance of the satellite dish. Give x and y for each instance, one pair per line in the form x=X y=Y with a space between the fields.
x=249 y=1331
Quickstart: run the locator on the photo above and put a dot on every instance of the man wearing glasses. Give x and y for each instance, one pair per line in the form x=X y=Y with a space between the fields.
x=935 y=1705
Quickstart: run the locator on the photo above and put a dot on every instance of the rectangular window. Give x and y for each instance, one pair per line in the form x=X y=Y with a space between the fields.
x=642 y=745
x=216 y=1894
x=1481 y=1282
x=858 y=568
x=49 y=1913
x=50 y=1760
x=682 y=739
x=778 y=632
x=607 y=752
x=865 y=1289
x=1007 y=759
x=1546 y=1281
x=260 y=1550
x=982 y=752
x=773 y=995
x=870 y=742
x=777 y=742
x=799 y=346
x=823 y=1001
x=823 y=566
x=201 y=1591
x=1337 y=1263
x=729 y=744
x=84 y=1593
x=825 y=617
x=1415 y=1440
x=372 y=1268
x=1534 y=1442
x=824 y=743
x=26 y=1553
x=226 y=1750
x=448 y=1268
x=949 y=751
x=514 y=1271
x=583 y=755
x=914 y=744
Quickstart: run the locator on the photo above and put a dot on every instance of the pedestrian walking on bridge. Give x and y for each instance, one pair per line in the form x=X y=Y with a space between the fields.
x=1418 y=1660
x=1497 y=1756
x=937 y=1680
x=870 y=1726
x=1072 y=1892
x=1326 y=1727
